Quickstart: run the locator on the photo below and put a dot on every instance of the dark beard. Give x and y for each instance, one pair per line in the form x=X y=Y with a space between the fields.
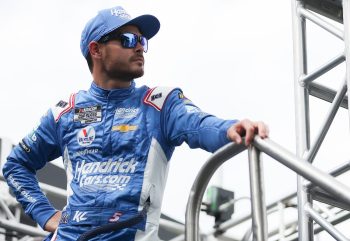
x=124 y=76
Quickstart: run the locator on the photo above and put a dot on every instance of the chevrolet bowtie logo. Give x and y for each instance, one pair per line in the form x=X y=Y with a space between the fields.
x=124 y=128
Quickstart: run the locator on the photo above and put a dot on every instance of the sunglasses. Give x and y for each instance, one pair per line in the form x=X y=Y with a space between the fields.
x=127 y=40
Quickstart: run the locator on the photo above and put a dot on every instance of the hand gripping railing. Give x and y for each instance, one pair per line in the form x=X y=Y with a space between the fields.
x=259 y=218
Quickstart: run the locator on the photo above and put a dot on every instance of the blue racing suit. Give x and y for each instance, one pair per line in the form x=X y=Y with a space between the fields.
x=115 y=145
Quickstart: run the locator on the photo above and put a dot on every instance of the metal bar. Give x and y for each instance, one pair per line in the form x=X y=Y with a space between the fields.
x=341 y=217
x=324 y=180
x=320 y=22
x=231 y=223
x=304 y=80
x=180 y=237
x=325 y=224
x=200 y=184
x=346 y=20
x=8 y=212
x=272 y=207
x=173 y=227
x=287 y=227
x=320 y=195
x=335 y=172
x=247 y=235
x=302 y=118
x=282 y=224
x=229 y=204
x=305 y=224
x=257 y=195
x=22 y=228
x=320 y=178
x=340 y=169
x=325 y=93
x=310 y=155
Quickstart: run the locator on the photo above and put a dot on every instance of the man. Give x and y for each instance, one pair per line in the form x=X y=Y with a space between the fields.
x=115 y=139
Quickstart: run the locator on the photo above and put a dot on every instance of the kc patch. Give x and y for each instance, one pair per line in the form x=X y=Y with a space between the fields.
x=88 y=115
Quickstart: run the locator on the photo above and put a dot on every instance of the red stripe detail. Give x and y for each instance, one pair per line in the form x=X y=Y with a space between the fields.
x=146 y=101
x=70 y=106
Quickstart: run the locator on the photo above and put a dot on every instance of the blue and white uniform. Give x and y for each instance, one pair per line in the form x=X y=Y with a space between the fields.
x=115 y=145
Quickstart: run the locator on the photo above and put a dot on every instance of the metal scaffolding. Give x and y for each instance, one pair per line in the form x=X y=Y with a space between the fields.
x=306 y=149
x=323 y=187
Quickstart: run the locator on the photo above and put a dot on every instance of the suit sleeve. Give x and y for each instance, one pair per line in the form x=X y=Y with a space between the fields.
x=31 y=154
x=182 y=121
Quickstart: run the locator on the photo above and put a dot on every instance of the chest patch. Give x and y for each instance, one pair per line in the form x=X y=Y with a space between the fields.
x=87 y=115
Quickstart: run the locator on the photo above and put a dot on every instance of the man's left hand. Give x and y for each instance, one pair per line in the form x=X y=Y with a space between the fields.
x=248 y=129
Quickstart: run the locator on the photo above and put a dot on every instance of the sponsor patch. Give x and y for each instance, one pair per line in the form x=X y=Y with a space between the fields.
x=64 y=217
x=126 y=113
x=121 y=13
x=85 y=152
x=61 y=104
x=58 y=111
x=20 y=189
x=86 y=136
x=192 y=109
x=88 y=115
x=23 y=145
x=124 y=128
x=32 y=135
x=156 y=96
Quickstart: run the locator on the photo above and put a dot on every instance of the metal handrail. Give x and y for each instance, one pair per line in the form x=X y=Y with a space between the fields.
x=200 y=184
x=303 y=168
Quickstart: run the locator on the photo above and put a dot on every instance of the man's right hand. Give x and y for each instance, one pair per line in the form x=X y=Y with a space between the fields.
x=53 y=222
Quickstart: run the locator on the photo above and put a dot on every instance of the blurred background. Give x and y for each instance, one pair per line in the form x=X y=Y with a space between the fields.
x=233 y=59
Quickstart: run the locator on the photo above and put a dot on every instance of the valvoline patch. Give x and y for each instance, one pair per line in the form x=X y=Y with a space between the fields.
x=86 y=136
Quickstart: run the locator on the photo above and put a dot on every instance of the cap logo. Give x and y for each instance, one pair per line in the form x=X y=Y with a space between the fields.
x=121 y=13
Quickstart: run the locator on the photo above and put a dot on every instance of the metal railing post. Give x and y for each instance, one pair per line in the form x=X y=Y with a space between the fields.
x=200 y=184
x=325 y=181
x=257 y=195
x=302 y=120
x=346 y=20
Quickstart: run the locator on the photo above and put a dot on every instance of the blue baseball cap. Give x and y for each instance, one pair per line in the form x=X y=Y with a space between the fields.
x=108 y=20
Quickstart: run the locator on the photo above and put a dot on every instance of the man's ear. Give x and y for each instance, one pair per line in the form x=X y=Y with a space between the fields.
x=94 y=49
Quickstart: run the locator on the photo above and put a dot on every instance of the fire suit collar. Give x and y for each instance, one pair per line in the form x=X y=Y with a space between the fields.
x=112 y=94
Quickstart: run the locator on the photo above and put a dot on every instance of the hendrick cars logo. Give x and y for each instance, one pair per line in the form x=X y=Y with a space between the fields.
x=86 y=136
x=108 y=175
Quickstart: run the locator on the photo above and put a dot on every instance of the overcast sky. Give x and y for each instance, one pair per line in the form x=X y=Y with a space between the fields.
x=231 y=58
